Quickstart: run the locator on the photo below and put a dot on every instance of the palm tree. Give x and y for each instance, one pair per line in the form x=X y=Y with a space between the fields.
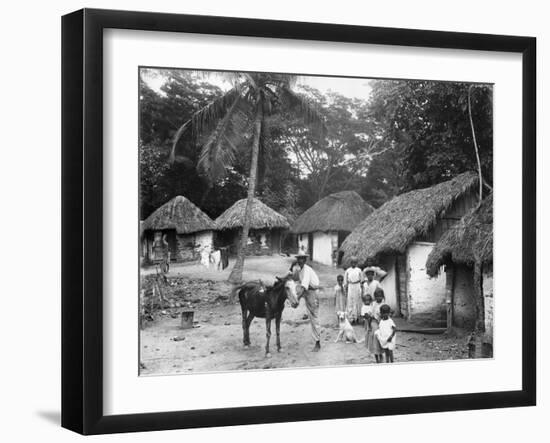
x=238 y=119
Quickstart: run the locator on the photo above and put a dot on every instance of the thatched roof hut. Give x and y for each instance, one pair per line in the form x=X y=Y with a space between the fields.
x=181 y=215
x=468 y=242
x=341 y=211
x=262 y=217
x=393 y=226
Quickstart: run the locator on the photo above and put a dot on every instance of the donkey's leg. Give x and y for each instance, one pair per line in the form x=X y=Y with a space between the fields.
x=278 y=331
x=248 y=322
x=245 y=327
x=267 y=335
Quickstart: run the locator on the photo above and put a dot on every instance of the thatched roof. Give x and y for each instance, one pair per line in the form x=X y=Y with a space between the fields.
x=342 y=211
x=393 y=226
x=468 y=242
x=262 y=217
x=179 y=214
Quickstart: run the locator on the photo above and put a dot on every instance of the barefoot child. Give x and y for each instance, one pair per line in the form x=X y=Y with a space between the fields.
x=340 y=294
x=373 y=344
x=386 y=333
x=366 y=312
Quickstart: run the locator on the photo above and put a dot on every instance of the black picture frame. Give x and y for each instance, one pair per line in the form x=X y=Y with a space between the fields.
x=82 y=219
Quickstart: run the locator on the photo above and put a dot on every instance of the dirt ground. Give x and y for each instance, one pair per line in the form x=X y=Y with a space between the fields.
x=215 y=341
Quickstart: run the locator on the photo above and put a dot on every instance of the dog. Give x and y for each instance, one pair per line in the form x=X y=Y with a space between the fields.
x=346 y=332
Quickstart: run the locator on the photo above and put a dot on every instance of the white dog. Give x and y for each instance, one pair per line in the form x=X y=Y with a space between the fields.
x=347 y=333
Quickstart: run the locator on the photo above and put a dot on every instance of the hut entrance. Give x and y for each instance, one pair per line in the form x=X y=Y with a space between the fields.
x=172 y=243
x=310 y=244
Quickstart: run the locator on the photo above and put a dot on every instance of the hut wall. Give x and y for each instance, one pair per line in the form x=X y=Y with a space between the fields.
x=205 y=238
x=185 y=247
x=487 y=279
x=464 y=304
x=426 y=296
x=323 y=247
x=260 y=241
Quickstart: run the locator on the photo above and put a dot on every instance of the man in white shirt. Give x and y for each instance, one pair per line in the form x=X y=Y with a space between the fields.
x=310 y=281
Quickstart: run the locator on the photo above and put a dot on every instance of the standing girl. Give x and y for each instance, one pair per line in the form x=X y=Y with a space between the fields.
x=340 y=294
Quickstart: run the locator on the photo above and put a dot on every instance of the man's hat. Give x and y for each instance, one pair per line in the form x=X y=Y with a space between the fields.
x=353 y=258
x=301 y=254
x=370 y=269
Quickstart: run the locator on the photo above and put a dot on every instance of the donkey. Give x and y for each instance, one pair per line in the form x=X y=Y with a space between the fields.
x=268 y=302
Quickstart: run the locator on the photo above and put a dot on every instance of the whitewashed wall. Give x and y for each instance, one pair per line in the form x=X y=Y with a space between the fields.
x=205 y=238
x=426 y=295
x=323 y=246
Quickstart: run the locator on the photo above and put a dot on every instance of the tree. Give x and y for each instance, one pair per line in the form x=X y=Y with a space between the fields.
x=180 y=95
x=235 y=121
x=340 y=160
x=428 y=124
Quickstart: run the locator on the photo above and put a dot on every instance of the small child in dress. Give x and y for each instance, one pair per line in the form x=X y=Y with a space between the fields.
x=366 y=313
x=340 y=294
x=386 y=333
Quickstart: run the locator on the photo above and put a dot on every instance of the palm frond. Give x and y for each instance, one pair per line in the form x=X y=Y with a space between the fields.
x=206 y=118
x=221 y=145
x=304 y=108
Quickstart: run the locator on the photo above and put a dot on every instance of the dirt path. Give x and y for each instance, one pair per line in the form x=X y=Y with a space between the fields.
x=216 y=343
x=263 y=267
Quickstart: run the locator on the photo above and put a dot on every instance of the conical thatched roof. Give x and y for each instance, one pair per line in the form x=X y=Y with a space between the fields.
x=341 y=211
x=179 y=214
x=262 y=216
x=468 y=242
x=393 y=226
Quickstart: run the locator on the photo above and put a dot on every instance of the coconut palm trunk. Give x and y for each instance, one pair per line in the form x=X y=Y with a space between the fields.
x=237 y=272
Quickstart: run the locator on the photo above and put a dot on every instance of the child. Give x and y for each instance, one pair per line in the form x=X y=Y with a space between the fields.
x=373 y=345
x=340 y=294
x=366 y=312
x=386 y=333
x=379 y=300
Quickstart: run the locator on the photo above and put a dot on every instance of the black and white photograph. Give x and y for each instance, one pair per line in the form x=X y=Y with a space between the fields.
x=298 y=221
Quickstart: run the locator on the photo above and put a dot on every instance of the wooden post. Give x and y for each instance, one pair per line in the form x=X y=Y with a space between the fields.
x=480 y=302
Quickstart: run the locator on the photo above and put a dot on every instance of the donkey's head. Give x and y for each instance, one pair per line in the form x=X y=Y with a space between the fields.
x=291 y=290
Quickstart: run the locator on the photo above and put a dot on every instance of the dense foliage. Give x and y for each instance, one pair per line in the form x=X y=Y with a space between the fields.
x=408 y=135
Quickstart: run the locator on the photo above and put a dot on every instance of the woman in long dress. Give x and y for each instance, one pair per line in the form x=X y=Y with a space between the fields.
x=353 y=279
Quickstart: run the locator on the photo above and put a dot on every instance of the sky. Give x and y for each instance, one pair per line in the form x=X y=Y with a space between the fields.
x=348 y=87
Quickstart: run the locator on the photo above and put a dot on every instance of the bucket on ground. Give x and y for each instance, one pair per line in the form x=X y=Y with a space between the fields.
x=187 y=319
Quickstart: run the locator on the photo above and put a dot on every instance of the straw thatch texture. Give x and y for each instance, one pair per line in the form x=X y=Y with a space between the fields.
x=262 y=217
x=342 y=211
x=179 y=214
x=393 y=226
x=468 y=242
